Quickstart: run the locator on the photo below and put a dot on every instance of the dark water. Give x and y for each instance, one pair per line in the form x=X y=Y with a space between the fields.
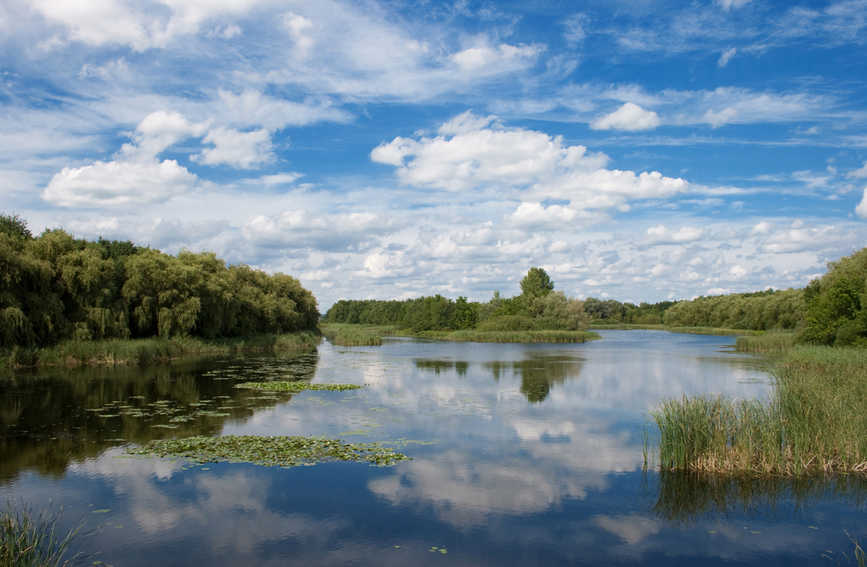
x=522 y=455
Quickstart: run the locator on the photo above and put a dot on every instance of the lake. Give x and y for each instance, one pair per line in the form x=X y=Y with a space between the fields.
x=521 y=455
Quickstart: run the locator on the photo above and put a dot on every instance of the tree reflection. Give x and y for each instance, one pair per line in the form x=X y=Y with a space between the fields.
x=55 y=417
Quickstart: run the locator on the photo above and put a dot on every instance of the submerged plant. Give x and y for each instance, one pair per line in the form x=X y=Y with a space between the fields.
x=269 y=451
x=26 y=540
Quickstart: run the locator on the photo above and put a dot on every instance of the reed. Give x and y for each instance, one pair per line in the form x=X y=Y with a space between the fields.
x=353 y=335
x=814 y=421
x=27 y=541
x=471 y=335
x=770 y=343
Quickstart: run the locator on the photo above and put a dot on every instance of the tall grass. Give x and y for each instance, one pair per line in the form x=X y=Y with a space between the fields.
x=141 y=352
x=814 y=422
x=353 y=335
x=770 y=343
x=597 y=325
x=27 y=541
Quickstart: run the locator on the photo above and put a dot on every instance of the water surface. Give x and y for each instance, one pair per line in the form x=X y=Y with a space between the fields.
x=521 y=455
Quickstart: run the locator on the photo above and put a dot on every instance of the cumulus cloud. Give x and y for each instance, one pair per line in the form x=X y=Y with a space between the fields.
x=487 y=57
x=659 y=234
x=484 y=154
x=628 y=117
x=251 y=107
x=118 y=183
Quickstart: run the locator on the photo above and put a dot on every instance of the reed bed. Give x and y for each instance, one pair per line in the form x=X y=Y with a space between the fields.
x=673 y=329
x=141 y=352
x=27 y=541
x=770 y=343
x=353 y=335
x=471 y=335
x=815 y=421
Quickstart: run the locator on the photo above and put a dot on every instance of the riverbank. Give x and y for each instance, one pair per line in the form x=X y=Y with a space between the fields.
x=141 y=352
x=345 y=334
x=813 y=423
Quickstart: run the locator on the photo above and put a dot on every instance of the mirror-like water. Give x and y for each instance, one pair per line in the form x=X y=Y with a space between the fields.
x=521 y=454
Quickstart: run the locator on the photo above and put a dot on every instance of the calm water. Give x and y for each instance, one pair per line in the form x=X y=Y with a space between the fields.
x=522 y=455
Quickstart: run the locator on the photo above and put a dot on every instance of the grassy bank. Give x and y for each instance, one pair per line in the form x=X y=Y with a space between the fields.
x=814 y=423
x=687 y=330
x=117 y=352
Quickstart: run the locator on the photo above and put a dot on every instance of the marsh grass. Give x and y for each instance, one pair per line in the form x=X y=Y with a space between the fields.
x=769 y=343
x=27 y=540
x=674 y=329
x=471 y=335
x=269 y=451
x=294 y=387
x=141 y=352
x=353 y=335
x=814 y=422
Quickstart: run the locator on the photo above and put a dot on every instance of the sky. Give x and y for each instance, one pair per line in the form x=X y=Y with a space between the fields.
x=638 y=150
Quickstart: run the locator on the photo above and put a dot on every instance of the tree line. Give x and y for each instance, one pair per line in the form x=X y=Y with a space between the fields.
x=55 y=287
x=538 y=307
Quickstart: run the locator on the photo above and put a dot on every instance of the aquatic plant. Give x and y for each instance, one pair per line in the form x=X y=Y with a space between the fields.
x=295 y=387
x=27 y=541
x=770 y=343
x=269 y=451
x=814 y=422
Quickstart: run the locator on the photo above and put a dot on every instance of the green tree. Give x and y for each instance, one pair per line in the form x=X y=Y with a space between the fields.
x=15 y=226
x=536 y=283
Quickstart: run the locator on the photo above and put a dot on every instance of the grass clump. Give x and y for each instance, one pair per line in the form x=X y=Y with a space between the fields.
x=770 y=343
x=27 y=541
x=353 y=335
x=269 y=451
x=295 y=387
x=814 y=422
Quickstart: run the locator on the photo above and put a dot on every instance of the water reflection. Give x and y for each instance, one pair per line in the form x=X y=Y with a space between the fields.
x=57 y=416
x=522 y=454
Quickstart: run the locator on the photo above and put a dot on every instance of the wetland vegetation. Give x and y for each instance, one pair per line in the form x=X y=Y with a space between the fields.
x=33 y=540
x=279 y=451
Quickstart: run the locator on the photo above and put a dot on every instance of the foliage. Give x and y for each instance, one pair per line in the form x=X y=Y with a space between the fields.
x=537 y=308
x=345 y=334
x=55 y=287
x=835 y=304
x=536 y=284
x=269 y=451
x=762 y=310
x=28 y=541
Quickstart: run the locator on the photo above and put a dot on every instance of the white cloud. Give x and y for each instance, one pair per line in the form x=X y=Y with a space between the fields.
x=485 y=58
x=575 y=28
x=861 y=209
x=859 y=173
x=726 y=56
x=629 y=117
x=139 y=25
x=729 y=4
x=118 y=183
x=253 y=108
x=238 y=149
x=538 y=215
x=659 y=234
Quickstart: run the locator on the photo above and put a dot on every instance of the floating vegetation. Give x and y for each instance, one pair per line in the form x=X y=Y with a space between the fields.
x=295 y=387
x=269 y=451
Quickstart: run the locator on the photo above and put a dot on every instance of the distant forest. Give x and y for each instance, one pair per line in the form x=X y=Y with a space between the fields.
x=831 y=310
x=55 y=287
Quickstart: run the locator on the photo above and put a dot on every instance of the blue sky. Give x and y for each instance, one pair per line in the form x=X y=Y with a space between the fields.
x=638 y=150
